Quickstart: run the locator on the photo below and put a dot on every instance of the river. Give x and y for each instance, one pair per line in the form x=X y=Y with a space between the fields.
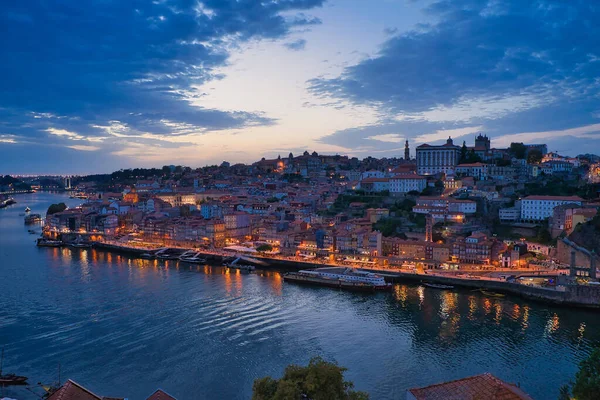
x=124 y=327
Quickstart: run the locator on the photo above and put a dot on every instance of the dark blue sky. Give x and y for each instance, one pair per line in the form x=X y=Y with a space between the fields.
x=99 y=85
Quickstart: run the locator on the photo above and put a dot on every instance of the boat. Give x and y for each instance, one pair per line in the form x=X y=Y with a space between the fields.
x=43 y=242
x=342 y=278
x=7 y=202
x=27 y=209
x=80 y=245
x=438 y=286
x=242 y=267
x=492 y=294
x=10 y=379
x=33 y=219
x=168 y=254
x=31 y=231
x=147 y=256
x=192 y=257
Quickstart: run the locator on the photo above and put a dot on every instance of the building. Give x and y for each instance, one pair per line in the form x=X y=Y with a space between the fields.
x=509 y=214
x=375 y=184
x=478 y=170
x=435 y=159
x=450 y=204
x=477 y=248
x=541 y=147
x=538 y=208
x=485 y=386
x=406 y=151
x=404 y=183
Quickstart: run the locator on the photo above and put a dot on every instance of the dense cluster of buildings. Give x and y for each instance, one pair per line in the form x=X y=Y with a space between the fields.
x=292 y=204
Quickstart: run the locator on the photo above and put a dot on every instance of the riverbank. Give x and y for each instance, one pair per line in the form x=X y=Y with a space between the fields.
x=568 y=295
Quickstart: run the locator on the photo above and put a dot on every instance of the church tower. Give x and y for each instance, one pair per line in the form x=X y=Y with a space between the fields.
x=406 y=151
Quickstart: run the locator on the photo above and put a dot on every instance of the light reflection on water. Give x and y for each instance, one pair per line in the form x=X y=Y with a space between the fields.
x=125 y=326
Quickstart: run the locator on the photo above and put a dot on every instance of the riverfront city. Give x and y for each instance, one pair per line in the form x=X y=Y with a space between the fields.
x=300 y=199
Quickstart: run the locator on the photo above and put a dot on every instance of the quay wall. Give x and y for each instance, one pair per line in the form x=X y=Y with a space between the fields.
x=572 y=295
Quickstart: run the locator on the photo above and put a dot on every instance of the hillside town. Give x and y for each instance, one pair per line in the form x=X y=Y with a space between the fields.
x=446 y=207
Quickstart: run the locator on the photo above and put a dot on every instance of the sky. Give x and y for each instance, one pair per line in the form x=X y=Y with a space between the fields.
x=99 y=85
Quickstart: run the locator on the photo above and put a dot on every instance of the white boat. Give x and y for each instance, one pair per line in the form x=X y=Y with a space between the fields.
x=27 y=209
x=242 y=267
x=438 y=286
x=192 y=257
x=343 y=278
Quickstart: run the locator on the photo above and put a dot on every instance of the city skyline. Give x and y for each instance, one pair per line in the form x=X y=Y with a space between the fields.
x=102 y=86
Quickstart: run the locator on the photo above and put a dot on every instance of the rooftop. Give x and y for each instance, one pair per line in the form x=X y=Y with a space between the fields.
x=550 y=198
x=484 y=386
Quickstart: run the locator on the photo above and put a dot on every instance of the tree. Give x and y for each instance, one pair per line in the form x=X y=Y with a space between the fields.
x=463 y=153
x=518 y=150
x=264 y=248
x=56 y=208
x=587 y=379
x=564 y=393
x=534 y=156
x=320 y=380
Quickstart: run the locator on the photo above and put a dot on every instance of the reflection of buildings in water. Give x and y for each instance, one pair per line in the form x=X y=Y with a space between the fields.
x=498 y=316
x=401 y=294
x=516 y=312
x=421 y=292
x=487 y=306
x=552 y=325
x=525 y=323
x=472 y=307
x=581 y=331
x=227 y=274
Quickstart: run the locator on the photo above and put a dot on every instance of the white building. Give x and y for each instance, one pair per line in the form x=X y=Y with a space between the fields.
x=509 y=214
x=435 y=159
x=375 y=184
x=405 y=183
x=538 y=208
x=450 y=204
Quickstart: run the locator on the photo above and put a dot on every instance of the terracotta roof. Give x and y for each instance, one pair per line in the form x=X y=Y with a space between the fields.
x=73 y=391
x=484 y=386
x=563 y=198
x=160 y=395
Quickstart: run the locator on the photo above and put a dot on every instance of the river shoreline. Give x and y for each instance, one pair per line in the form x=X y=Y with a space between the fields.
x=572 y=295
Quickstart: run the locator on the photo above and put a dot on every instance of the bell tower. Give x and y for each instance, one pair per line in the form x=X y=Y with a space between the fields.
x=406 y=151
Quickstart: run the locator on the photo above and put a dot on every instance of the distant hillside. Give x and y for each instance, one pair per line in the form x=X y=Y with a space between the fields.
x=588 y=235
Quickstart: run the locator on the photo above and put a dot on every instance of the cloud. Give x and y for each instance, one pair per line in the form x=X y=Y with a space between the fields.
x=479 y=49
x=74 y=67
x=506 y=67
x=296 y=45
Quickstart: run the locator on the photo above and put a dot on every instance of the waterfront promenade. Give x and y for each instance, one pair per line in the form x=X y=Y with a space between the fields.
x=569 y=295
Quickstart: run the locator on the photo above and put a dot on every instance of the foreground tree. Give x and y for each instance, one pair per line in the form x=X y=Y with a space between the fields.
x=587 y=379
x=320 y=380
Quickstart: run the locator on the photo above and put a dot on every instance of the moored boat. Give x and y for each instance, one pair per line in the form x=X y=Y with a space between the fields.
x=33 y=219
x=192 y=257
x=492 y=294
x=241 y=267
x=43 y=242
x=80 y=245
x=343 y=278
x=438 y=286
x=10 y=379
x=27 y=209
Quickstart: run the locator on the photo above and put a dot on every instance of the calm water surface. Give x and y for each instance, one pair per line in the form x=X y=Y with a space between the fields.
x=123 y=326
